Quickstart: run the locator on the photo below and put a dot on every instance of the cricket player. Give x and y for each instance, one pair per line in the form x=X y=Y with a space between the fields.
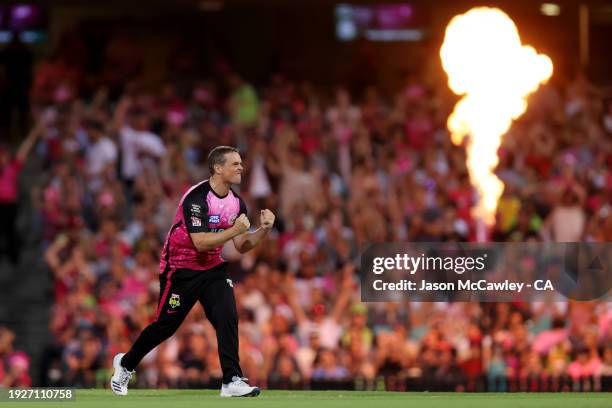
x=191 y=269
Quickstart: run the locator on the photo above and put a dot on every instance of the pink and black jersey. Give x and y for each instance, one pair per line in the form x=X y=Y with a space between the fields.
x=200 y=210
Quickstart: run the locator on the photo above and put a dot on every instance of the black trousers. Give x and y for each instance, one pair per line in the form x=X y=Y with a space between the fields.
x=179 y=290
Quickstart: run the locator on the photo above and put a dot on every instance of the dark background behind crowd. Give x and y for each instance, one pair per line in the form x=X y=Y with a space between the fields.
x=108 y=136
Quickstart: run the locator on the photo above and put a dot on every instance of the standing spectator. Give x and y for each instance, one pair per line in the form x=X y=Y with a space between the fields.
x=243 y=103
x=137 y=140
x=567 y=221
x=100 y=153
x=10 y=167
x=14 y=365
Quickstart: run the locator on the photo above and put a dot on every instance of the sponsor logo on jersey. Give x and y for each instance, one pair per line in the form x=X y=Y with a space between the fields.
x=175 y=301
x=230 y=283
x=196 y=222
x=214 y=219
x=196 y=209
x=233 y=218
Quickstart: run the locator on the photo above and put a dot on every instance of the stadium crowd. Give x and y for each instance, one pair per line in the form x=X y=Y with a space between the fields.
x=339 y=173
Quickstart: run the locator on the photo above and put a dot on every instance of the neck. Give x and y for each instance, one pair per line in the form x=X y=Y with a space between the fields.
x=218 y=185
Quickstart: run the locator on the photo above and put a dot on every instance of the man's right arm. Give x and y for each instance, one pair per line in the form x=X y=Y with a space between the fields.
x=205 y=241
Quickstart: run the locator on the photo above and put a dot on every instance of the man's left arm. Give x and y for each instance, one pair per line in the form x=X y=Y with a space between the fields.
x=249 y=240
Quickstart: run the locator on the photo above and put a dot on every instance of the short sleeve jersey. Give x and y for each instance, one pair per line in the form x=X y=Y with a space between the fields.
x=200 y=210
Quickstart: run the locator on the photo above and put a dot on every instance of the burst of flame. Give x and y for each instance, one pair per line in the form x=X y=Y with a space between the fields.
x=487 y=64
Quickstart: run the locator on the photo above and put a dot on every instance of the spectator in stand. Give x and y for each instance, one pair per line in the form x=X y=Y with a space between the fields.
x=14 y=365
x=10 y=168
x=100 y=154
x=243 y=102
x=327 y=367
x=136 y=140
x=566 y=222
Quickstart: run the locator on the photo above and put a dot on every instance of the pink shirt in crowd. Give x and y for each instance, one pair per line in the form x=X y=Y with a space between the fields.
x=9 y=177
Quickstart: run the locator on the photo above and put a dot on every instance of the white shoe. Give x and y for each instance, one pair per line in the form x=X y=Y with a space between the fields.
x=239 y=388
x=120 y=379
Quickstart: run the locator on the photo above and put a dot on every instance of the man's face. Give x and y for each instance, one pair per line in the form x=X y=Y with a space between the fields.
x=140 y=122
x=94 y=134
x=231 y=170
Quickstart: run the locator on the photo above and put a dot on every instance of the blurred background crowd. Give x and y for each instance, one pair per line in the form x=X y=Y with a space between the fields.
x=341 y=168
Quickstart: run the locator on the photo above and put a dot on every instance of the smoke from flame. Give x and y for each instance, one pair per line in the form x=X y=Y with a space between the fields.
x=485 y=62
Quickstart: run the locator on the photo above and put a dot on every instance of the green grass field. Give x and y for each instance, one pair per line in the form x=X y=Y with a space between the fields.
x=324 y=399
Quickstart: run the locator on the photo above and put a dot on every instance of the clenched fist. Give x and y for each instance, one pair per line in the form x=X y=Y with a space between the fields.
x=267 y=218
x=241 y=224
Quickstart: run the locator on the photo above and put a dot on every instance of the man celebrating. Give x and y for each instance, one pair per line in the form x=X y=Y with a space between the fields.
x=191 y=269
